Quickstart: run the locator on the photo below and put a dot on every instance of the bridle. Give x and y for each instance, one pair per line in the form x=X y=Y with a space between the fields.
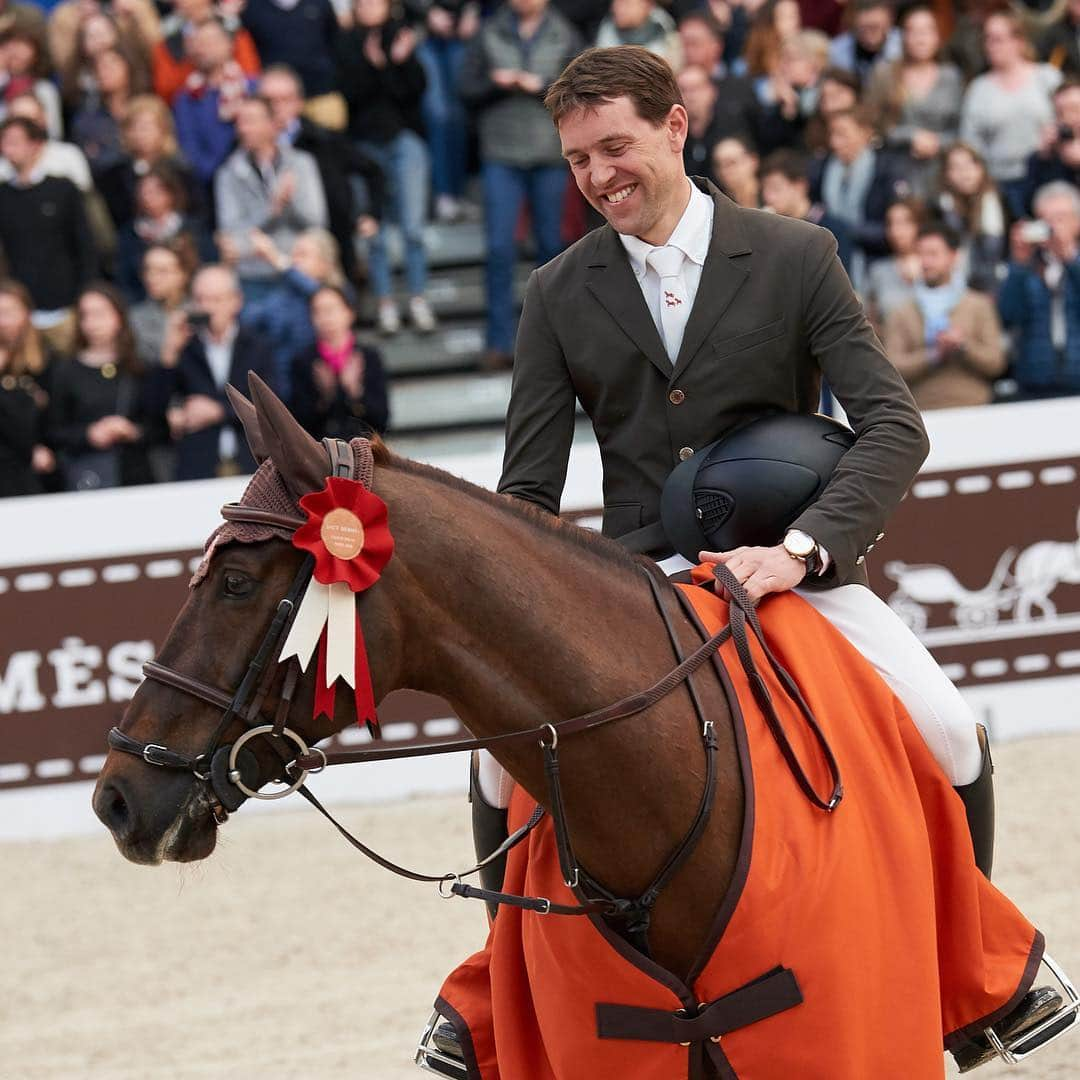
x=231 y=770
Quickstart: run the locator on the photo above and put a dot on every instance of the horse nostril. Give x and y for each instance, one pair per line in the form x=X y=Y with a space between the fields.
x=112 y=808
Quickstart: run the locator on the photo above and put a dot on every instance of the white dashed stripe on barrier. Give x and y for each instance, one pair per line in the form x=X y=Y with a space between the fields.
x=77 y=577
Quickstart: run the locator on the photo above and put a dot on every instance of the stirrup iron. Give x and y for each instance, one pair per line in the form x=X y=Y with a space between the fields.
x=439 y=1054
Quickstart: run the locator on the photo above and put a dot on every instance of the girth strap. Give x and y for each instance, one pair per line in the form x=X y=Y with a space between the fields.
x=771 y=993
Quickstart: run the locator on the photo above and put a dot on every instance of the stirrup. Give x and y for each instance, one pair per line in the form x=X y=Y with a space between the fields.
x=440 y=1051
x=1046 y=1031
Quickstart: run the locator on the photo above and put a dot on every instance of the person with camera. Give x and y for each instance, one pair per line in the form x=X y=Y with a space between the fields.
x=1058 y=156
x=1040 y=299
x=200 y=354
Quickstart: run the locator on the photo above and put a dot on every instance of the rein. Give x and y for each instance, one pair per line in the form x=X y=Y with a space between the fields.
x=231 y=771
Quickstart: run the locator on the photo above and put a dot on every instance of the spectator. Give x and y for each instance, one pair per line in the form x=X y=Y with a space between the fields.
x=857 y=184
x=161 y=217
x=699 y=97
x=282 y=316
x=969 y=204
x=339 y=386
x=43 y=231
x=383 y=83
x=917 y=99
x=58 y=158
x=965 y=46
x=891 y=282
x=871 y=40
x=166 y=275
x=518 y=53
x=341 y=165
x=205 y=109
x=301 y=34
x=170 y=63
x=785 y=189
x=211 y=350
x=96 y=123
x=1058 y=156
x=98 y=424
x=25 y=17
x=644 y=23
x=838 y=91
x=24 y=69
x=148 y=138
x=96 y=33
x=265 y=187
x=703 y=46
x=450 y=25
x=25 y=370
x=1005 y=110
x=773 y=24
x=946 y=342
x=1059 y=44
x=78 y=30
x=735 y=168
x=1040 y=299
x=789 y=97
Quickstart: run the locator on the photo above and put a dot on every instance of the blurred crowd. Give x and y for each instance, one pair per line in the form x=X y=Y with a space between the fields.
x=192 y=190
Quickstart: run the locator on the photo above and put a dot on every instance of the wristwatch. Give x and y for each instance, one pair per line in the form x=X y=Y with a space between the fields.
x=804 y=547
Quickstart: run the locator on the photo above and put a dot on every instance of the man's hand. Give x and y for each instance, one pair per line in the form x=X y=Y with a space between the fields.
x=201 y=411
x=402 y=46
x=367 y=226
x=529 y=82
x=951 y=340
x=925 y=144
x=760 y=570
x=504 y=78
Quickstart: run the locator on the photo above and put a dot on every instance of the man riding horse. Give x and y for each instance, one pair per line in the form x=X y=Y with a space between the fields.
x=675 y=323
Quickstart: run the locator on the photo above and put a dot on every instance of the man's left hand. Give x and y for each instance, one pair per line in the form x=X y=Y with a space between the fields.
x=760 y=570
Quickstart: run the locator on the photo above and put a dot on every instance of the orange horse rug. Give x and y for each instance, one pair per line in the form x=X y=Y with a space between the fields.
x=850 y=944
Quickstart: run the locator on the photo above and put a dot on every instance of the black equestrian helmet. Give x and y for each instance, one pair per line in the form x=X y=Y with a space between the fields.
x=748 y=487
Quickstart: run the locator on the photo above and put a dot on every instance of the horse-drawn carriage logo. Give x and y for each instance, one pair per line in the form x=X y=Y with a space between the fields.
x=1020 y=586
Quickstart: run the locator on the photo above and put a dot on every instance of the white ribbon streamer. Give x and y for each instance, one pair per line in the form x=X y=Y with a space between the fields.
x=334 y=607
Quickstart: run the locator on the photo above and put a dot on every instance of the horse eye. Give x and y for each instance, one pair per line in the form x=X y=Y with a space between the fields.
x=236 y=584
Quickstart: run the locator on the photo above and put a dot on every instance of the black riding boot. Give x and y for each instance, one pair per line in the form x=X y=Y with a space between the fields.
x=489 y=831
x=1040 y=1003
x=978 y=800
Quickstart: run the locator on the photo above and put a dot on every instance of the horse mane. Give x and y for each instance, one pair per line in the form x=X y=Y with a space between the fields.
x=590 y=541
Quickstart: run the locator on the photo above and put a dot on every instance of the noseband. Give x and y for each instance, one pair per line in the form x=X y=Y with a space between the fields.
x=231 y=770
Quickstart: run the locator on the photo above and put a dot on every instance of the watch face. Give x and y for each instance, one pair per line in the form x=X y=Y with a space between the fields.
x=799 y=544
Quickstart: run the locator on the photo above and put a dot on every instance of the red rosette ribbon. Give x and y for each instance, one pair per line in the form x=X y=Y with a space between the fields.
x=348 y=534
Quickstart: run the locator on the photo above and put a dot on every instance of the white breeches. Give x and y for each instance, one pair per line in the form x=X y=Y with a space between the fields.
x=940 y=713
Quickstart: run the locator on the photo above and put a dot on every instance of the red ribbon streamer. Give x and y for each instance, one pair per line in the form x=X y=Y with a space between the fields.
x=363 y=693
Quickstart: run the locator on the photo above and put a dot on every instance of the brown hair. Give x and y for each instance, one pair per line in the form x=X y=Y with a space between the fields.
x=182 y=249
x=127 y=357
x=28 y=354
x=968 y=207
x=762 y=51
x=168 y=177
x=1016 y=30
x=891 y=103
x=599 y=75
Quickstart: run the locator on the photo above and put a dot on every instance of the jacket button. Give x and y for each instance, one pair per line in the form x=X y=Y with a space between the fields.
x=676 y=397
x=879 y=536
x=860 y=560
x=869 y=548
x=686 y=452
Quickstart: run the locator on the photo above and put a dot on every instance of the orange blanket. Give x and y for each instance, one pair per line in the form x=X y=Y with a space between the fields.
x=876 y=911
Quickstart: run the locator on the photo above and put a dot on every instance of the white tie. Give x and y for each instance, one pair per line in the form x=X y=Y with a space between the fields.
x=674 y=301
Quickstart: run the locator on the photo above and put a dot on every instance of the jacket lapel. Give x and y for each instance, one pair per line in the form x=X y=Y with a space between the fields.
x=611 y=280
x=721 y=278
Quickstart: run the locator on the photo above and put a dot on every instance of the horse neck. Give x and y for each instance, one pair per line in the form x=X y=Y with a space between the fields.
x=518 y=626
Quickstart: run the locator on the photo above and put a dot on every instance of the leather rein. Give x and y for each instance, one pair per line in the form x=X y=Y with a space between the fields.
x=231 y=771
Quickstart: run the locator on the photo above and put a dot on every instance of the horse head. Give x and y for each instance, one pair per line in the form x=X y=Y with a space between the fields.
x=172 y=813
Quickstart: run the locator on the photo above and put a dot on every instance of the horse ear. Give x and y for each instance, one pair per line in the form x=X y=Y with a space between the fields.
x=247 y=416
x=301 y=460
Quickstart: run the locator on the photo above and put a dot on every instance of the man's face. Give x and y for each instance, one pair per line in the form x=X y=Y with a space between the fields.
x=209 y=47
x=781 y=195
x=254 y=128
x=284 y=96
x=699 y=94
x=19 y=149
x=528 y=9
x=700 y=48
x=1059 y=212
x=630 y=14
x=215 y=293
x=872 y=28
x=735 y=166
x=847 y=138
x=937 y=260
x=628 y=169
x=1067 y=108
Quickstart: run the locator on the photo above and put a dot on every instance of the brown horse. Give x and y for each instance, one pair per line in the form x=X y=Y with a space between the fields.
x=515 y=618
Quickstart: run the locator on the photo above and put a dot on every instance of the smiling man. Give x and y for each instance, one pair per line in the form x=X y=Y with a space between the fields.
x=683 y=317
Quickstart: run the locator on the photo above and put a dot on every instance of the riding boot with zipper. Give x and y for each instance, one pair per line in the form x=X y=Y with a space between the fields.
x=489 y=831
x=978 y=800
